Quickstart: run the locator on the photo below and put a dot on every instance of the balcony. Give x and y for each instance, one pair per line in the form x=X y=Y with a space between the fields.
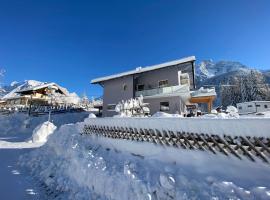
x=164 y=91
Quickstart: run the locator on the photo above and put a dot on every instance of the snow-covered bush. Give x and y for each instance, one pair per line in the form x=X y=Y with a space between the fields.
x=132 y=107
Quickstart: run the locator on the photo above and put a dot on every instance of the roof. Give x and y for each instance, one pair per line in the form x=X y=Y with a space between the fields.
x=144 y=69
x=254 y=102
x=61 y=89
x=203 y=92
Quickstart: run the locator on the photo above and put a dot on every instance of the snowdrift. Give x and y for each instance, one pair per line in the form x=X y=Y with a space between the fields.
x=20 y=123
x=74 y=166
x=42 y=131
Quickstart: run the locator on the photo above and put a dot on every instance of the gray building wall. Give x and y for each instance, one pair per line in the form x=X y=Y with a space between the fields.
x=175 y=103
x=151 y=79
x=114 y=92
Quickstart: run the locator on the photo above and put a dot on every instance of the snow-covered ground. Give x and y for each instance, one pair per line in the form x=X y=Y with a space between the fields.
x=20 y=135
x=78 y=166
x=75 y=166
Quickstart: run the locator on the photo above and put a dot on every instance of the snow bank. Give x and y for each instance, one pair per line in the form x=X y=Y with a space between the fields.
x=41 y=132
x=163 y=114
x=92 y=115
x=74 y=166
x=22 y=124
x=219 y=126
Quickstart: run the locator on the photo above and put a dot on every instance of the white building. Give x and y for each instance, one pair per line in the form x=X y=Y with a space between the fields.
x=253 y=107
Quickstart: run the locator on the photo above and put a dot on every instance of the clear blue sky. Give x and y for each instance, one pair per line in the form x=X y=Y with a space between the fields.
x=72 y=42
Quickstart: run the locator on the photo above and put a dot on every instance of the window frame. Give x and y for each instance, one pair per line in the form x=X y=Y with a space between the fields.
x=165 y=85
x=111 y=104
x=137 y=87
x=160 y=105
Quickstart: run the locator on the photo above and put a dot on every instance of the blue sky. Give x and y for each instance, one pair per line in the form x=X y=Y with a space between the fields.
x=72 y=42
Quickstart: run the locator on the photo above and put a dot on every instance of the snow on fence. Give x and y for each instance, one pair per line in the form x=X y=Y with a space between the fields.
x=247 y=137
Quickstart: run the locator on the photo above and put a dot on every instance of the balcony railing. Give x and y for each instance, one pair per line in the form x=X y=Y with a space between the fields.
x=164 y=91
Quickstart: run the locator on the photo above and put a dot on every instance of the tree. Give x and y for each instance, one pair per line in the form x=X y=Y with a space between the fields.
x=246 y=87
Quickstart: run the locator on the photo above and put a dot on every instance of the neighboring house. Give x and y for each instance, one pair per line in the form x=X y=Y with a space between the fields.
x=35 y=95
x=166 y=87
x=253 y=107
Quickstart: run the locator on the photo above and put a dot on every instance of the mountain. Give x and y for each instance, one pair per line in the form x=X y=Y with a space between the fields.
x=209 y=73
x=209 y=69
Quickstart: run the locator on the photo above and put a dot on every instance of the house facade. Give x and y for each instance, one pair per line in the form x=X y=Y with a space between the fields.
x=34 y=95
x=166 y=87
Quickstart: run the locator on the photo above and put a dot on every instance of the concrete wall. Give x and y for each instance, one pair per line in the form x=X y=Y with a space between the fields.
x=175 y=103
x=151 y=79
x=114 y=92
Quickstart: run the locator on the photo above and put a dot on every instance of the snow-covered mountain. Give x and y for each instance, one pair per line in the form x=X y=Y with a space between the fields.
x=210 y=73
x=208 y=69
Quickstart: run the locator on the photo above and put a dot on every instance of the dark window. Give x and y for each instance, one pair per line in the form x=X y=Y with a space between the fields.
x=111 y=107
x=258 y=105
x=163 y=83
x=265 y=106
x=140 y=87
x=250 y=106
x=125 y=87
x=164 y=106
x=240 y=108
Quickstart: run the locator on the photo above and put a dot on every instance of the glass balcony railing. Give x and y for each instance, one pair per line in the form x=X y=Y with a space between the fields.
x=164 y=91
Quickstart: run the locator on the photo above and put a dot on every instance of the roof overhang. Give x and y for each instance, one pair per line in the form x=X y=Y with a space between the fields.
x=144 y=69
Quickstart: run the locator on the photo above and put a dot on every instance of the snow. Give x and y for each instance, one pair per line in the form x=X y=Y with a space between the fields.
x=15 y=131
x=203 y=92
x=25 y=85
x=163 y=114
x=145 y=69
x=41 y=132
x=86 y=167
x=220 y=125
x=66 y=97
x=74 y=166
x=92 y=115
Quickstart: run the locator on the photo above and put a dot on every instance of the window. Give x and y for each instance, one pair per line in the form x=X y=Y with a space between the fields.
x=258 y=105
x=163 y=83
x=140 y=87
x=265 y=106
x=184 y=79
x=240 y=108
x=125 y=87
x=249 y=106
x=164 y=106
x=111 y=107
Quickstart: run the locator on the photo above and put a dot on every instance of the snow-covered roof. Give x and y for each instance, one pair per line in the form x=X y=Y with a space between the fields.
x=203 y=92
x=63 y=90
x=144 y=69
x=254 y=102
x=31 y=85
